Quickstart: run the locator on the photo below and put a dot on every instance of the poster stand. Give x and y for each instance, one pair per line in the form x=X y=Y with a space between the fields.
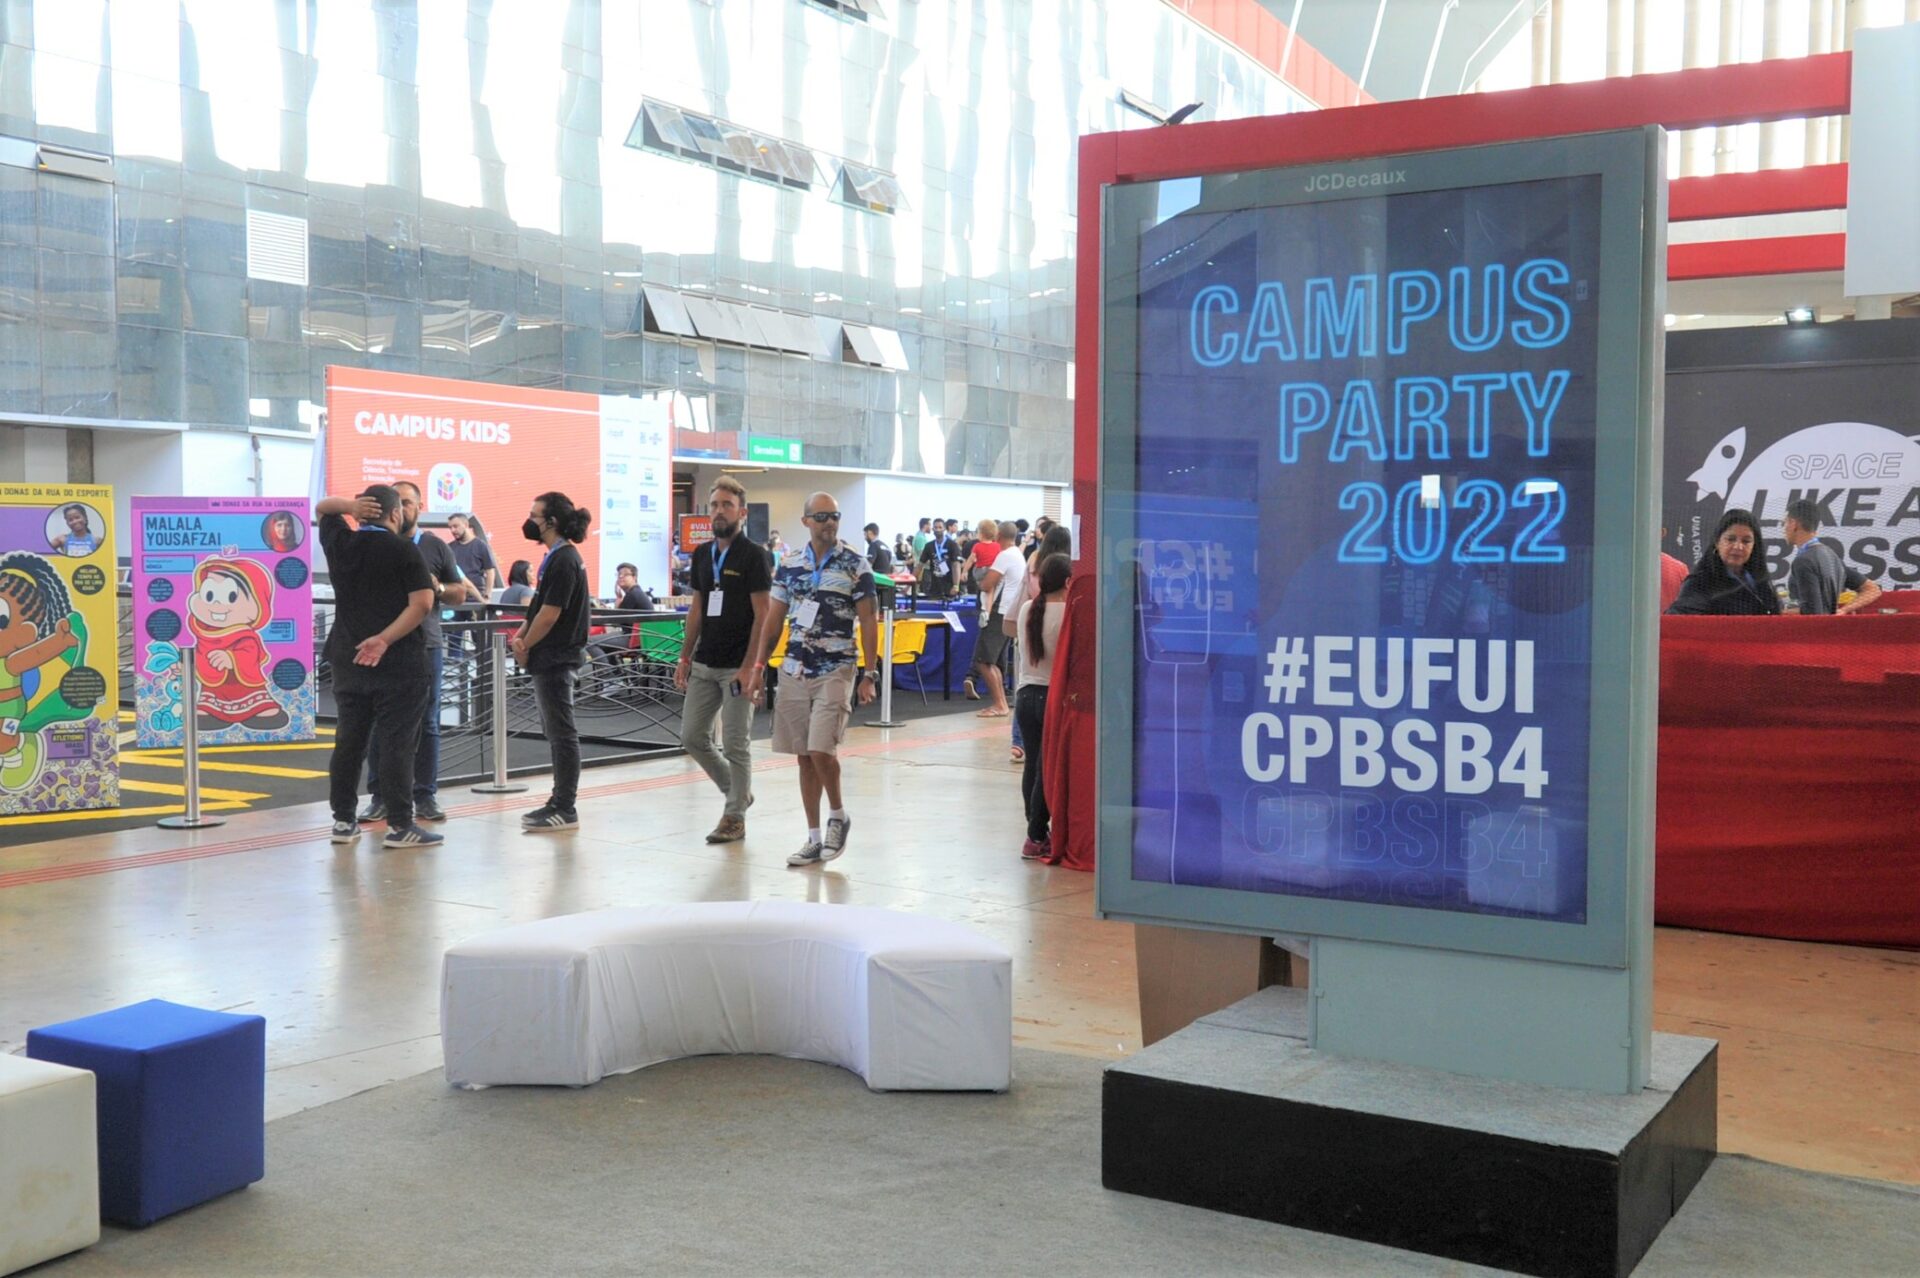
x=192 y=818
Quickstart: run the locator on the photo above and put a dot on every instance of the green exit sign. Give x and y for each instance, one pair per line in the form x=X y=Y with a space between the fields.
x=769 y=448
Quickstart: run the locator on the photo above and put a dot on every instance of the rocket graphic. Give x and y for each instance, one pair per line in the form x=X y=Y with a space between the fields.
x=1716 y=472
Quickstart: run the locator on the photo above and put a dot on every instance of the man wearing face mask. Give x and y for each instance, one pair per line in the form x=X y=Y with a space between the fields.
x=449 y=588
x=731 y=580
x=381 y=593
x=550 y=644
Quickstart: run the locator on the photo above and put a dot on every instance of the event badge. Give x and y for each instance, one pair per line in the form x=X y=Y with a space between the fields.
x=716 y=600
x=804 y=614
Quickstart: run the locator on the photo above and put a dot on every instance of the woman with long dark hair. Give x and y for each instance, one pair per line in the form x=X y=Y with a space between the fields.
x=1039 y=625
x=550 y=644
x=1056 y=540
x=1731 y=578
x=519 y=583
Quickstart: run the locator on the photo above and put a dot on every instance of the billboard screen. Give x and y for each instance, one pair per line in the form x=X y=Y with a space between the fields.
x=480 y=448
x=1363 y=416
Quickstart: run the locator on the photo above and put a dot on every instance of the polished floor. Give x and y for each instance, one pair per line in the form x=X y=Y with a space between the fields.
x=339 y=948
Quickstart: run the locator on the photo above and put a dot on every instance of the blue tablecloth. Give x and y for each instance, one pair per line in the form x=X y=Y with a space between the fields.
x=932 y=671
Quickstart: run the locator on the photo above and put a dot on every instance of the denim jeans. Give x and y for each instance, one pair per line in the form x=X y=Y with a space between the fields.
x=710 y=693
x=386 y=710
x=1030 y=710
x=426 y=755
x=553 y=692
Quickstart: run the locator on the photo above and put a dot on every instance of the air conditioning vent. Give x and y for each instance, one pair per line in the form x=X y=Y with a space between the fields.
x=71 y=163
x=276 y=247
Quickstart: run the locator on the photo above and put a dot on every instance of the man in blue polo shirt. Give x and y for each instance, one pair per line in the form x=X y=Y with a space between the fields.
x=822 y=589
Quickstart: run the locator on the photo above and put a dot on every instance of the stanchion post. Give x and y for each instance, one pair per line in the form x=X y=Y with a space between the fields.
x=191 y=819
x=885 y=664
x=500 y=784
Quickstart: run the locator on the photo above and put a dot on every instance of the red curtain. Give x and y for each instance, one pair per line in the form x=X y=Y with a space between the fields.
x=1068 y=762
x=1789 y=797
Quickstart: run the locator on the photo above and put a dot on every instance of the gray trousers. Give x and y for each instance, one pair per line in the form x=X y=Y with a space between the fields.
x=709 y=693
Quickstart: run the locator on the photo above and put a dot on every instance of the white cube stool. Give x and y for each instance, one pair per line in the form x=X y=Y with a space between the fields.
x=49 y=1162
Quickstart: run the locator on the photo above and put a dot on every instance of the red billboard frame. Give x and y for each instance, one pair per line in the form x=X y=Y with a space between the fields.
x=1740 y=93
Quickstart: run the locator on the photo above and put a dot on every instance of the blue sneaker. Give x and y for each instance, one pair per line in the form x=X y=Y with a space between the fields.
x=411 y=836
x=345 y=831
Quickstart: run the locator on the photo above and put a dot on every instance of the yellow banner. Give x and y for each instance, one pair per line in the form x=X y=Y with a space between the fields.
x=59 y=649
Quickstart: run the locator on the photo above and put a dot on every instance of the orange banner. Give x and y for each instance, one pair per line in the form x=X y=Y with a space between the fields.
x=695 y=531
x=471 y=447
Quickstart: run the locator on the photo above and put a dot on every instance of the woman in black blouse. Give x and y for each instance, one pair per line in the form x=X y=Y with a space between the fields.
x=1731 y=578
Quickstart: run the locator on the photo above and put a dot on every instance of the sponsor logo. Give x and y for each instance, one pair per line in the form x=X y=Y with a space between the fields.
x=1354 y=181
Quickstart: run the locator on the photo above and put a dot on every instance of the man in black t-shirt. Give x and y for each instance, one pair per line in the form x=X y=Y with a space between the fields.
x=381 y=594
x=550 y=644
x=731 y=578
x=449 y=588
x=629 y=595
x=475 y=557
x=879 y=558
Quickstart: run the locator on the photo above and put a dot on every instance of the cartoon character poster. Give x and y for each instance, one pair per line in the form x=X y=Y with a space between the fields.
x=59 y=650
x=226 y=582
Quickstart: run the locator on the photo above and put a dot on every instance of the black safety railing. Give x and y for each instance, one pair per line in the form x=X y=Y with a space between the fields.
x=625 y=704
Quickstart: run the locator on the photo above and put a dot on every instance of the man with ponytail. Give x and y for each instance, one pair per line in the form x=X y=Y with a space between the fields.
x=550 y=644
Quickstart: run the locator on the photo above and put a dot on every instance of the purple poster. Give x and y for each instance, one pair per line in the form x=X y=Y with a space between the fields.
x=227 y=583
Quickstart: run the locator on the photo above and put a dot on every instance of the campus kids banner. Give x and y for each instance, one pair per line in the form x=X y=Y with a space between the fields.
x=59 y=650
x=478 y=448
x=229 y=581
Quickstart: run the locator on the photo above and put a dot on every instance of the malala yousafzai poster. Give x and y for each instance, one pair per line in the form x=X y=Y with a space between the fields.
x=225 y=582
x=59 y=650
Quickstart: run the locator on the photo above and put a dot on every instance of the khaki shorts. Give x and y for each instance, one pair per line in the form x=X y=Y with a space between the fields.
x=810 y=715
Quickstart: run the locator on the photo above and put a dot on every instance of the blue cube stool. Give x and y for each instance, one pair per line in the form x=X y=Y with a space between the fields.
x=182 y=1102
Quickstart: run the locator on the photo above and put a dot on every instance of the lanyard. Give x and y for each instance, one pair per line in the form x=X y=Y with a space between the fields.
x=548 y=558
x=813 y=562
x=719 y=558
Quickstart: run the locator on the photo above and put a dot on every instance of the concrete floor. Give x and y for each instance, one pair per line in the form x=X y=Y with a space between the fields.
x=340 y=947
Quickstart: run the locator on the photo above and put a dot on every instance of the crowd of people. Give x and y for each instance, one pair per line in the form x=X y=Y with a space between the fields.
x=387 y=647
x=1732 y=578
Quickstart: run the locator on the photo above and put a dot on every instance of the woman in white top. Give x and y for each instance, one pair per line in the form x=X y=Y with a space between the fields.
x=1038 y=624
x=1055 y=541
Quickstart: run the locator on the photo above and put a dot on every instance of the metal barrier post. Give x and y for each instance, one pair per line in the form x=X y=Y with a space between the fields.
x=500 y=784
x=886 y=719
x=190 y=739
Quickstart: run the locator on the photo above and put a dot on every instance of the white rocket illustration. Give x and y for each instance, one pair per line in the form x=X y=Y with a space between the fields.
x=1716 y=472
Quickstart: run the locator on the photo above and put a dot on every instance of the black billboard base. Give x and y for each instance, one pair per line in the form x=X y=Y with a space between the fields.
x=1235 y=1113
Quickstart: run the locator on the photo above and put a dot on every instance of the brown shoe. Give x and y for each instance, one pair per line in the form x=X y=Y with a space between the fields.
x=730 y=830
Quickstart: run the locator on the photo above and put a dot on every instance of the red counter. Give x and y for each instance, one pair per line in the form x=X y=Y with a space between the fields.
x=1789 y=798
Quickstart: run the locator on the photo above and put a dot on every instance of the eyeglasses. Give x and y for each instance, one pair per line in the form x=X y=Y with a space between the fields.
x=825 y=517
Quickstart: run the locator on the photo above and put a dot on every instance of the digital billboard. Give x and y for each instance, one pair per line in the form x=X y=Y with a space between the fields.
x=479 y=448
x=1371 y=483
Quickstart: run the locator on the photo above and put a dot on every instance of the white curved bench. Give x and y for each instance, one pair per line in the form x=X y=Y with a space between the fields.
x=906 y=1002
